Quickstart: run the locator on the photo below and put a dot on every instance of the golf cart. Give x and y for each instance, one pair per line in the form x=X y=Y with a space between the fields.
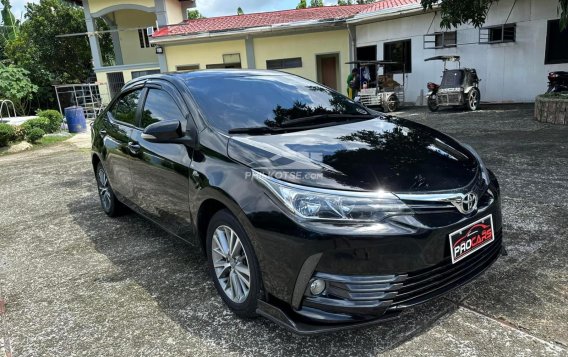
x=459 y=87
x=382 y=91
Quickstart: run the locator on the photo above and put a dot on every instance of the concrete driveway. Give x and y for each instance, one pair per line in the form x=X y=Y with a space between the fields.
x=76 y=283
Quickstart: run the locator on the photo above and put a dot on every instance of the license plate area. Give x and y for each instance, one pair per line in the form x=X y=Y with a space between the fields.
x=471 y=238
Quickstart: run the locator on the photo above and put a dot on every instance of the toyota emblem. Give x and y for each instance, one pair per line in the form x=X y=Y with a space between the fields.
x=466 y=204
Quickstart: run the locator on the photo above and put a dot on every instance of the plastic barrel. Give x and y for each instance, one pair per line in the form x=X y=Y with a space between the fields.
x=75 y=118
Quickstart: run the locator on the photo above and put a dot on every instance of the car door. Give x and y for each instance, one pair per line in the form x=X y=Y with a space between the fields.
x=160 y=172
x=116 y=130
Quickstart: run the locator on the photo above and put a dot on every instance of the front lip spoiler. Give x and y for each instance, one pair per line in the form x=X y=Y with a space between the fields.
x=281 y=318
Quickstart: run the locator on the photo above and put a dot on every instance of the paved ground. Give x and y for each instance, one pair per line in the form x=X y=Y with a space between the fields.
x=78 y=283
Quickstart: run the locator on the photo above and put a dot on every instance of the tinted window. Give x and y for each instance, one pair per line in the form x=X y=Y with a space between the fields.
x=124 y=109
x=265 y=100
x=159 y=106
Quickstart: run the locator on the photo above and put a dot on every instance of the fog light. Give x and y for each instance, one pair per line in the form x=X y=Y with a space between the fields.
x=317 y=287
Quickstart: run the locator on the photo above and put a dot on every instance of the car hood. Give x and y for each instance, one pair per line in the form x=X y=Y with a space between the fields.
x=385 y=153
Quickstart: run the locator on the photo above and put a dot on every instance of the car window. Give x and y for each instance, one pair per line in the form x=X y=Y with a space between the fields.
x=124 y=109
x=265 y=100
x=159 y=106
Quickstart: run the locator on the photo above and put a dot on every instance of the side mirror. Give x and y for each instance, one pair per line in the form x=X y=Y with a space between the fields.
x=165 y=132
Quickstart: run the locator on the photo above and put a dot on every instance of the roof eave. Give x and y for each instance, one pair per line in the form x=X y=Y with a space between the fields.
x=296 y=26
x=385 y=14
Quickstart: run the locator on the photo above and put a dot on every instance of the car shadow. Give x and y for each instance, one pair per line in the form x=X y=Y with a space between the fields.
x=174 y=274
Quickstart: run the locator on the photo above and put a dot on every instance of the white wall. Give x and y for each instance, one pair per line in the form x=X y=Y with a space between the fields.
x=509 y=72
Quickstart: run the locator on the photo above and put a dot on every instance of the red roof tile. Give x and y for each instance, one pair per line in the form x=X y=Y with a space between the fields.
x=388 y=4
x=238 y=22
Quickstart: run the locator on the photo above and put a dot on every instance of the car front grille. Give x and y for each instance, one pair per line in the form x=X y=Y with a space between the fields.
x=372 y=295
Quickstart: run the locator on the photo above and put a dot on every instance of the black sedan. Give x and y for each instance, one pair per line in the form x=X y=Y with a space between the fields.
x=312 y=210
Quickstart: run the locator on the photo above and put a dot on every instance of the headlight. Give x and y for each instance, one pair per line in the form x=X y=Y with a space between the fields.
x=330 y=205
x=484 y=171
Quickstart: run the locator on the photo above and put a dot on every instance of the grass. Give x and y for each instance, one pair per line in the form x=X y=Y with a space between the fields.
x=49 y=139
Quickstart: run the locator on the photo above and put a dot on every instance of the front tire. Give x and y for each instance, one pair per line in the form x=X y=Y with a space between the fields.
x=473 y=98
x=433 y=103
x=232 y=264
x=110 y=204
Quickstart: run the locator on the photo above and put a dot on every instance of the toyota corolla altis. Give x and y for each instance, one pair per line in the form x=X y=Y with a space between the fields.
x=313 y=211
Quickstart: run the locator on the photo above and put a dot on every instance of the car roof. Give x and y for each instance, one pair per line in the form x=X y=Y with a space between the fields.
x=210 y=74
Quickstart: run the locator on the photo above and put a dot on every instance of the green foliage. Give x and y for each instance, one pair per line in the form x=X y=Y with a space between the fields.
x=34 y=135
x=55 y=119
x=302 y=4
x=39 y=123
x=458 y=12
x=194 y=15
x=51 y=59
x=344 y=2
x=7 y=133
x=240 y=11
x=316 y=3
x=19 y=133
x=16 y=86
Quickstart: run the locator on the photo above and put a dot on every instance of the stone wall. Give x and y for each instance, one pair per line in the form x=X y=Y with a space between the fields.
x=551 y=110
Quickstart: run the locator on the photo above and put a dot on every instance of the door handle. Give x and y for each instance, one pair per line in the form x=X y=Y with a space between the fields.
x=102 y=133
x=134 y=147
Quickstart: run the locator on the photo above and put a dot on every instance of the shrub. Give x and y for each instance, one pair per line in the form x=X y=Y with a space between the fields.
x=6 y=134
x=55 y=119
x=34 y=134
x=19 y=133
x=41 y=123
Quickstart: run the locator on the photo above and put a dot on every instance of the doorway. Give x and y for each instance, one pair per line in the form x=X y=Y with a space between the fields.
x=328 y=70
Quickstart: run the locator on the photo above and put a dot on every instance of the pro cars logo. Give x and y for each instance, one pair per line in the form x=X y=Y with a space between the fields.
x=471 y=238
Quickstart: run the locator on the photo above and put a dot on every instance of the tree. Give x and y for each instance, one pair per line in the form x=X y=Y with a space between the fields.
x=9 y=28
x=16 y=86
x=240 y=11
x=194 y=15
x=316 y=3
x=50 y=59
x=302 y=4
x=458 y=12
x=344 y=2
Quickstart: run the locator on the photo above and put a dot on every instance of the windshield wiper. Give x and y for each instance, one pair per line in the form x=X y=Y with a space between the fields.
x=317 y=118
x=255 y=130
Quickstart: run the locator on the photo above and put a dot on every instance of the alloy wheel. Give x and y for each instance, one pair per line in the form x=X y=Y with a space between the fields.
x=231 y=264
x=473 y=100
x=104 y=189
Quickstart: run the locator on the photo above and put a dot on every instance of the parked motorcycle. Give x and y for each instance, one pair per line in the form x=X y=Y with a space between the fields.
x=557 y=82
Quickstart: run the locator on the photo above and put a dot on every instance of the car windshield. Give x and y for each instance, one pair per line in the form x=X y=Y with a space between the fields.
x=269 y=101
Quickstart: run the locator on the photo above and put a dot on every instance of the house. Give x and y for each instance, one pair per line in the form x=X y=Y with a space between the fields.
x=313 y=43
x=130 y=23
x=513 y=52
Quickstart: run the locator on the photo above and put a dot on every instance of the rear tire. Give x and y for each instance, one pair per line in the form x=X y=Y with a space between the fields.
x=232 y=264
x=473 y=98
x=110 y=204
x=433 y=103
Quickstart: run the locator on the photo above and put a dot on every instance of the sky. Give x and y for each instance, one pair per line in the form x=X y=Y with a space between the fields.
x=212 y=8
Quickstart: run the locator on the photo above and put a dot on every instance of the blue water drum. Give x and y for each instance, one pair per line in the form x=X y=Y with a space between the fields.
x=75 y=117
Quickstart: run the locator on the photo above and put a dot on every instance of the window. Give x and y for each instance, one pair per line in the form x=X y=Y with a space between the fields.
x=159 y=106
x=124 y=109
x=225 y=101
x=144 y=38
x=284 y=63
x=440 y=40
x=136 y=74
x=115 y=82
x=401 y=52
x=187 y=67
x=556 y=44
x=498 y=34
x=232 y=58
